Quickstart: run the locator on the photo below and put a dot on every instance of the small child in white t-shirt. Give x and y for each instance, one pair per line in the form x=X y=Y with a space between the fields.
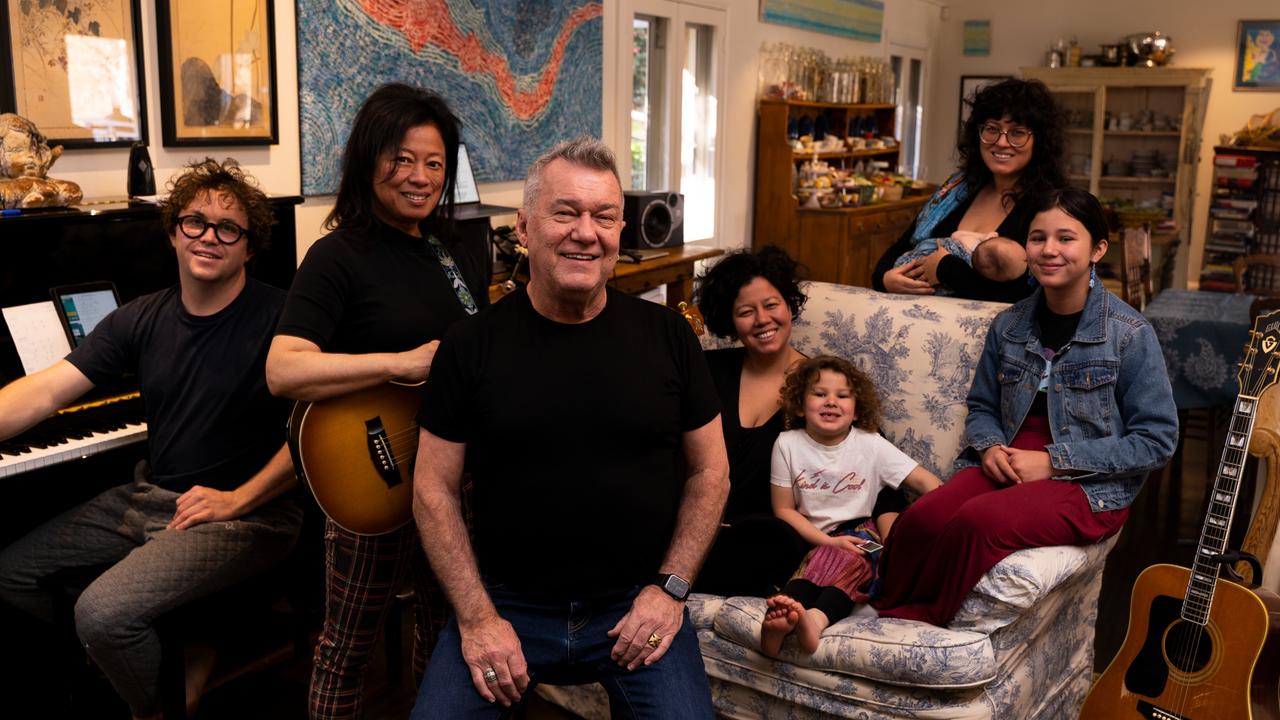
x=825 y=482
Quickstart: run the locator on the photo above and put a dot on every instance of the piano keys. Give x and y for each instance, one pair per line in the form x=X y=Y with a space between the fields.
x=75 y=433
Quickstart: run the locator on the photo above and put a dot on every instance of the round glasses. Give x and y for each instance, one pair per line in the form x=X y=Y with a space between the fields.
x=227 y=232
x=1017 y=137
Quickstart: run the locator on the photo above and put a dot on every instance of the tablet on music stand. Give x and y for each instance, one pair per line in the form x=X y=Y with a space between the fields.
x=81 y=307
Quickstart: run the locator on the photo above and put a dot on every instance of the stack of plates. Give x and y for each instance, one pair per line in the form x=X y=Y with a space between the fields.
x=1144 y=161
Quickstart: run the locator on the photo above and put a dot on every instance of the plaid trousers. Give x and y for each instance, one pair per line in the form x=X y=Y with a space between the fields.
x=363 y=575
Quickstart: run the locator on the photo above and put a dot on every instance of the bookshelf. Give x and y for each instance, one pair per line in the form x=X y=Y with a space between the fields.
x=1244 y=215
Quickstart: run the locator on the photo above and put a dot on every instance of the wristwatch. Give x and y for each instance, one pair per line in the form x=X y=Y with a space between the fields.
x=673 y=585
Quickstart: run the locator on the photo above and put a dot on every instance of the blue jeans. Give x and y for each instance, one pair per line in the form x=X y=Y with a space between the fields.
x=566 y=644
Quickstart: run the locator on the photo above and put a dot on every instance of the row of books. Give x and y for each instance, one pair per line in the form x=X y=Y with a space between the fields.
x=1231 y=210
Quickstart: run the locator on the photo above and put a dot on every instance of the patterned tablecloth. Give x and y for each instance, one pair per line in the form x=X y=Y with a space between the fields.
x=1202 y=335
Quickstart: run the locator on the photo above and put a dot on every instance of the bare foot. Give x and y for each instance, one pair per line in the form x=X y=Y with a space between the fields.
x=809 y=629
x=779 y=621
x=200 y=660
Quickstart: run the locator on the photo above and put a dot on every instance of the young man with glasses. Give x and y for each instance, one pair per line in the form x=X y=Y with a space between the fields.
x=211 y=506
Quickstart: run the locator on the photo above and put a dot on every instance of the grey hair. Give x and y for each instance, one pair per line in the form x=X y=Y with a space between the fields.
x=585 y=151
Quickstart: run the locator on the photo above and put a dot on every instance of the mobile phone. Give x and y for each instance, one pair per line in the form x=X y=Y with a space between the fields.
x=870 y=546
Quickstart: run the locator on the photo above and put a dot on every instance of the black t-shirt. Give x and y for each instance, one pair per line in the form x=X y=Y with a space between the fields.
x=955 y=273
x=210 y=418
x=376 y=289
x=574 y=438
x=1056 y=332
x=750 y=449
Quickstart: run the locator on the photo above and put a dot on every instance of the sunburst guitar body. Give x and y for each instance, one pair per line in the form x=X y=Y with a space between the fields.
x=355 y=453
x=1200 y=647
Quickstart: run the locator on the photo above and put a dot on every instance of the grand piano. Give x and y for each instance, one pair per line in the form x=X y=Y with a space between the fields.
x=93 y=444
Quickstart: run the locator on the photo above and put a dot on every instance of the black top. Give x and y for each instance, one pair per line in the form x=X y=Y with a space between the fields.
x=210 y=418
x=376 y=289
x=955 y=273
x=574 y=437
x=1055 y=332
x=750 y=449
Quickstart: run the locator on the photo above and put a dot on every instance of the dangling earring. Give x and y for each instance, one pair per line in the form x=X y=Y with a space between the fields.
x=1031 y=280
x=1093 y=274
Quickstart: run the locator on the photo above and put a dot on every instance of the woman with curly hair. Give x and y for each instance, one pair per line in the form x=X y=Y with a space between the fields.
x=828 y=481
x=751 y=297
x=1010 y=152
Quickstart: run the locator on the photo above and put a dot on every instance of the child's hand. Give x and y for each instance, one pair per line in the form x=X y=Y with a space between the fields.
x=846 y=542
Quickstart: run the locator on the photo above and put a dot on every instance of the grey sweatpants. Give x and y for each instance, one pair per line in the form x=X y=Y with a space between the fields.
x=156 y=570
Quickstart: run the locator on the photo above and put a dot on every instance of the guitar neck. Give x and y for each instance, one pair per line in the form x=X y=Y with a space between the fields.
x=1222 y=506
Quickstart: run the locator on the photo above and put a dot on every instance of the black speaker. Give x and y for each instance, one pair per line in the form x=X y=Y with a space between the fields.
x=654 y=220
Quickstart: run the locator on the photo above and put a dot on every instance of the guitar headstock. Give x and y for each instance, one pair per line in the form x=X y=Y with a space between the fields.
x=1261 y=355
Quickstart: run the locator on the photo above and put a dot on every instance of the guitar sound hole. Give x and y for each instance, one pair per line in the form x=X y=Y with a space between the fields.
x=1188 y=647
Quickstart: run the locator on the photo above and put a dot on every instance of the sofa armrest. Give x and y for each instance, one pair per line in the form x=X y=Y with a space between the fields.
x=1021 y=580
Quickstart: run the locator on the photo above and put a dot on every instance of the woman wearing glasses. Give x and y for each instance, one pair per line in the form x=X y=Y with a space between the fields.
x=369 y=304
x=968 y=239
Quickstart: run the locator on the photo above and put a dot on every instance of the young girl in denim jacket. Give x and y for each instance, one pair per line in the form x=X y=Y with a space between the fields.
x=1069 y=410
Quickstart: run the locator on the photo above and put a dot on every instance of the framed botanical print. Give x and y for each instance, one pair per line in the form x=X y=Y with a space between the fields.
x=1257 y=62
x=75 y=70
x=217 y=72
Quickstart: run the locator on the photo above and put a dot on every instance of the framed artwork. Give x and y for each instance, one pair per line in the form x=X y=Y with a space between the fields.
x=970 y=84
x=521 y=76
x=854 y=19
x=1257 y=62
x=217 y=72
x=75 y=70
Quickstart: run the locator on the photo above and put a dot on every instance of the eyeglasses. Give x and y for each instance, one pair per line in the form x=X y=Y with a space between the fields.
x=1017 y=137
x=227 y=232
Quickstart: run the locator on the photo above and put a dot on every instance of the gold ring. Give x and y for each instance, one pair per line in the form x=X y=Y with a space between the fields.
x=490 y=676
x=654 y=640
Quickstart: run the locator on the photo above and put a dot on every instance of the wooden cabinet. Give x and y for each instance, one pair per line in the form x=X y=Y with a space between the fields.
x=1133 y=133
x=837 y=245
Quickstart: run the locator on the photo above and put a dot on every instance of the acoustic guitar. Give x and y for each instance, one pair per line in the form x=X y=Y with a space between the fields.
x=355 y=453
x=1200 y=647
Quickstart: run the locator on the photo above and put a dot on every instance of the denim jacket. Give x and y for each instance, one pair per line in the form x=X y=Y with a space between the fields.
x=1111 y=408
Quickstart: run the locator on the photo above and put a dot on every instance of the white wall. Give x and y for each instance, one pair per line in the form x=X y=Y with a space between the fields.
x=1204 y=35
x=101 y=173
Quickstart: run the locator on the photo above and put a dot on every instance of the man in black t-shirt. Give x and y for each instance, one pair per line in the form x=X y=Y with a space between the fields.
x=210 y=507
x=592 y=432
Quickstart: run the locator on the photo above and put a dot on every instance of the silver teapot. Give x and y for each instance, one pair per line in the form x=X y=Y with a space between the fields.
x=1149 y=49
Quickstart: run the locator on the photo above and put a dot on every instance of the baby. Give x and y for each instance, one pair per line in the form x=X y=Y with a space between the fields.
x=996 y=258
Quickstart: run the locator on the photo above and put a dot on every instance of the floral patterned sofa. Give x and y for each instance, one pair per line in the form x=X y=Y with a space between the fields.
x=1021 y=646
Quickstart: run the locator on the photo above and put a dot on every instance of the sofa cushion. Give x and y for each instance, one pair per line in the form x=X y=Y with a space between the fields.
x=899 y=652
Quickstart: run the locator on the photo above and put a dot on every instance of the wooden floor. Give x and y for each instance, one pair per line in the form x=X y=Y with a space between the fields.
x=1151 y=535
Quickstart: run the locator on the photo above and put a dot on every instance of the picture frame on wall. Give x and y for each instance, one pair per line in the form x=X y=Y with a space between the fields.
x=75 y=70
x=970 y=84
x=217 y=66
x=1257 y=65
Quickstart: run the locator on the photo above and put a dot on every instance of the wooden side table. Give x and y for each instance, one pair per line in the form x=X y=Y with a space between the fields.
x=675 y=270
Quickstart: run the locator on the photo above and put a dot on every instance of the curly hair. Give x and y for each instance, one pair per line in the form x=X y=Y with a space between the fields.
x=718 y=287
x=381 y=123
x=1028 y=103
x=210 y=176
x=805 y=374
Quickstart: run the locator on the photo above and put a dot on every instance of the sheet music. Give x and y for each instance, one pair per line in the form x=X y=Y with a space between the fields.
x=37 y=335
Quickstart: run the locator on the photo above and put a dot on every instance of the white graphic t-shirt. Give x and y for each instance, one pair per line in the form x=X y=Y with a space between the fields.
x=834 y=484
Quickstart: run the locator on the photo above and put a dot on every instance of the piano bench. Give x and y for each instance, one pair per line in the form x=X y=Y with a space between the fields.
x=250 y=624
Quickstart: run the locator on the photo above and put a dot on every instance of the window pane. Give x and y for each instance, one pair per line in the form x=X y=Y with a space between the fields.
x=698 y=133
x=640 y=48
